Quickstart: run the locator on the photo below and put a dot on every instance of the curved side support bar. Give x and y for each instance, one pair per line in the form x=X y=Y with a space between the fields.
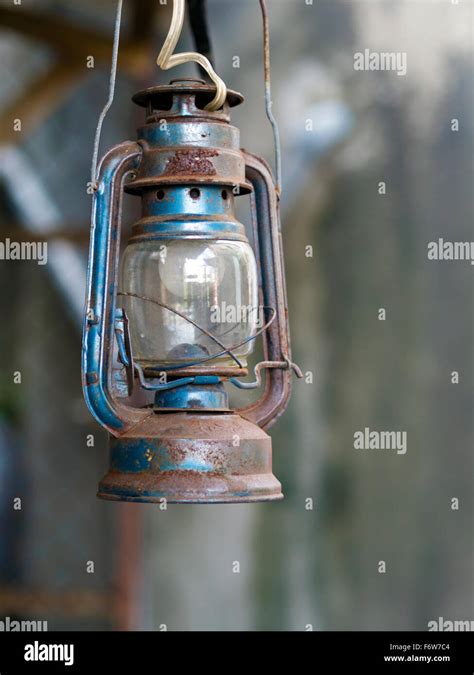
x=99 y=323
x=276 y=339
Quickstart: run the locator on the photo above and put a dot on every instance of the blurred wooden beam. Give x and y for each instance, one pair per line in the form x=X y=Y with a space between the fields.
x=75 y=42
x=74 y=234
x=71 y=604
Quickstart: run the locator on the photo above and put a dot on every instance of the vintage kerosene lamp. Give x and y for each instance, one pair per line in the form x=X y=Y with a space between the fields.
x=178 y=316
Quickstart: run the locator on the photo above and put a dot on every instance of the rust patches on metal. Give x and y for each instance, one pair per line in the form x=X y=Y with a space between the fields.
x=180 y=486
x=92 y=378
x=192 y=162
x=194 y=459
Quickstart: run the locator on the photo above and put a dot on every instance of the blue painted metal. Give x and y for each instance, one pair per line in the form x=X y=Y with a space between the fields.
x=156 y=384
x=203 y=393
x=171 y=212
x=99 y=321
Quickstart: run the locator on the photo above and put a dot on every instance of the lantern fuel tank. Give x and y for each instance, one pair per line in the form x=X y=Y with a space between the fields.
x=170 y=326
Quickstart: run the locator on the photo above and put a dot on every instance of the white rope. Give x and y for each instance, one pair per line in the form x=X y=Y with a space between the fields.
x=167 y=59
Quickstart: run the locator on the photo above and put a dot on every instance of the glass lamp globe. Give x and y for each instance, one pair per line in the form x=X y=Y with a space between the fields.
x=213 y=283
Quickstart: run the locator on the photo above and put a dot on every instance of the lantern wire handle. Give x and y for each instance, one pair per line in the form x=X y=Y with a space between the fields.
x=211 y=357
x=166 y=59
x=268 y=95
x=110 y=100
x=183 y=316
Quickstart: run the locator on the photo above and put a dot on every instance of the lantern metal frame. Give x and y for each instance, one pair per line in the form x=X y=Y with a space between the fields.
x=200 y=148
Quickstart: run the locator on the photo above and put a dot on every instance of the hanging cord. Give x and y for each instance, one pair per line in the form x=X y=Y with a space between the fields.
x=167 y=59
x=113 y=77
x=199 y=28
x=268 y=95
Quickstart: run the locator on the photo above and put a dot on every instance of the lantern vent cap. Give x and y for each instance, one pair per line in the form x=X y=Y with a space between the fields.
x=161 y=97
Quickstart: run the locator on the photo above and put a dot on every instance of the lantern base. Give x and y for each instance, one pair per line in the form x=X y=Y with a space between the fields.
x=191 y=458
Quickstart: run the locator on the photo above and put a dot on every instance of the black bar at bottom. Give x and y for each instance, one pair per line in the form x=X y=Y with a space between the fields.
x=322 y=652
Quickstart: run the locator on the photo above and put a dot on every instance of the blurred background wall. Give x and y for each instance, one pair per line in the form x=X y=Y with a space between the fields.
x=344 y=133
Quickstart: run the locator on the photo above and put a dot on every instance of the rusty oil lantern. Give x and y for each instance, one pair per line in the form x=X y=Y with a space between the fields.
x=159 y=321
